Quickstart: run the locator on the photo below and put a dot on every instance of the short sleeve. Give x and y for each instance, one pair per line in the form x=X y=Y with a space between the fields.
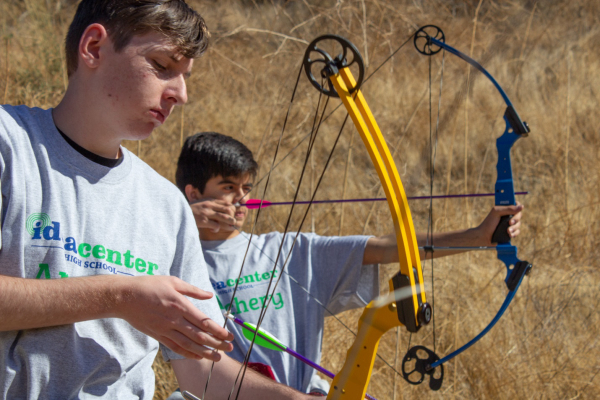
x=336 y=263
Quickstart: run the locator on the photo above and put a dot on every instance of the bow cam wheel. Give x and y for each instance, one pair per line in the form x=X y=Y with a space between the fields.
x=423 y=37
x=416 y=364
x=319 y=63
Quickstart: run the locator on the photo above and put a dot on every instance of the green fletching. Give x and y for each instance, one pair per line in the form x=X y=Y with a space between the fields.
x=249 y=330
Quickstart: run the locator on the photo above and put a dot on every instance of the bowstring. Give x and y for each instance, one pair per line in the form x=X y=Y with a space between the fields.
x=314 y=132
x=268 y=177
x=433 y=144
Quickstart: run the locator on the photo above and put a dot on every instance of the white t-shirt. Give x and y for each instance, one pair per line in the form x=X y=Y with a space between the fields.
x=65 y=216
x=330 y=268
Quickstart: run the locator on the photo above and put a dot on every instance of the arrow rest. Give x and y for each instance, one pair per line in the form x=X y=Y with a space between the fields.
x=423 y=37
x=329 y=65
x=416 y=364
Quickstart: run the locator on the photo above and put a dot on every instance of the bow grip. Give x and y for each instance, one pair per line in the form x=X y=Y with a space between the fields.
x=505 y=192
x=501 y=233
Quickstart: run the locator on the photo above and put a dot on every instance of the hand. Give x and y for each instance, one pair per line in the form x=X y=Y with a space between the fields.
x=488 y=226
x=157 y=306
x=215 y=215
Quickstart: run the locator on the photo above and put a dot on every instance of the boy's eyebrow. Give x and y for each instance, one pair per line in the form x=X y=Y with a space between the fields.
x=225 y=180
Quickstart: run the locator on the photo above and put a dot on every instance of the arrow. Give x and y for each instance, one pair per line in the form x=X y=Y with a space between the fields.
x=265 y=339
x=256 y=203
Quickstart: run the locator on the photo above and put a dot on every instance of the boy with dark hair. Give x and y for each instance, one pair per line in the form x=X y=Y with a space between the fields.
x=341 y=272
x=119 y=239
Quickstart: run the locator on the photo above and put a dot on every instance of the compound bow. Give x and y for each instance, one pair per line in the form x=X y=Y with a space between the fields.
x=412 y=312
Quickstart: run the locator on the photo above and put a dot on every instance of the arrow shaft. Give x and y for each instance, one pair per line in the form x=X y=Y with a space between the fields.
x=290 y=351
x=255 y=203
x=285 y=348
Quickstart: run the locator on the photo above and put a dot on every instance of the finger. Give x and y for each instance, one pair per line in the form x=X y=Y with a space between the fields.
x=508 y=210
x=177 y=348
x=203 y=201
x=201 y=322
x=210 y=224
x=515 y=224
x=202 y=338
x=516 y=219
x=192 y=291
x=223 y=202
x=197 y=318
x=228 y=227
x=225 y=219
x=227 y=209
x=514 y=232
x=184 y=346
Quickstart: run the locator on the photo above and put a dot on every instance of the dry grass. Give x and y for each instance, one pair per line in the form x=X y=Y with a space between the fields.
x=546 y=56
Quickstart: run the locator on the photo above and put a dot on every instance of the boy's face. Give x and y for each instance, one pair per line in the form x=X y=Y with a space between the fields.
x=231 y=189
x=140 y=85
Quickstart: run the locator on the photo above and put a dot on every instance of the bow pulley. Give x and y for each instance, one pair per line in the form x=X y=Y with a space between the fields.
x=317 y=56
x=423 y=42
x=417 y=363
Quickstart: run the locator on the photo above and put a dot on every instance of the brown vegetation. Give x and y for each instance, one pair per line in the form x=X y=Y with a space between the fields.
x=545 y=55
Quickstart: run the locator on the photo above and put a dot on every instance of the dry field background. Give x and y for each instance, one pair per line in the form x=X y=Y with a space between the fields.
x=546 y=54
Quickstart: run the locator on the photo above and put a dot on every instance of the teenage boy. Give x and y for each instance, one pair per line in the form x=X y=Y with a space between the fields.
x=216 y=172
x=96 y=247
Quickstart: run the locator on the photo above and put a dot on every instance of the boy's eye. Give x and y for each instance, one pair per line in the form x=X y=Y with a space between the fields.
x=159 y=66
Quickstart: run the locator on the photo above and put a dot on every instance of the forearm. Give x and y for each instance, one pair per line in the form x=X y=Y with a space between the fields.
x=462 y=238
x=37 y=303
x=192 y=376
x=384 y=249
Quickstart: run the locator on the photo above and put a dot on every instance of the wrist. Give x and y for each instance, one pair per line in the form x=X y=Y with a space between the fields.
x=118 y=293
x=477 y=237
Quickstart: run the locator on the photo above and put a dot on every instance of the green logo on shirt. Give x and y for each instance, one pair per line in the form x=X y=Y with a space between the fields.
x=41 y=227
x=253 y=303
x=37 y=220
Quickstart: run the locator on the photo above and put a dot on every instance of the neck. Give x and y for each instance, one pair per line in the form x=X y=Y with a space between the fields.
x=76 y=117
x=207 y=234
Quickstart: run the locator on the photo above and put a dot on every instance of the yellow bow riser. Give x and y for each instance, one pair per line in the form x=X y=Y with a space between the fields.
x=352 y=381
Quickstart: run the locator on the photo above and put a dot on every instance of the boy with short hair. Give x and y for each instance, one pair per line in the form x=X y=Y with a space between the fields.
x=216 y=173
x=100 y=259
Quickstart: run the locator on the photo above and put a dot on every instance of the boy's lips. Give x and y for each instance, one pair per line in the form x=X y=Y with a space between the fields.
x=159 y=115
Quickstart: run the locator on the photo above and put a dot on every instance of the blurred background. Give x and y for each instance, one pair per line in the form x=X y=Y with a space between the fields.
x=546 y=57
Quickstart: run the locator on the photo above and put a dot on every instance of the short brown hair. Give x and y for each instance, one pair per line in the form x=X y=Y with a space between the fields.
x=125 y=18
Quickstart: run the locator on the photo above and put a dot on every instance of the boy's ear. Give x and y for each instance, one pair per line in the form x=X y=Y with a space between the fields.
x=192 y=194
x=92 y=39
